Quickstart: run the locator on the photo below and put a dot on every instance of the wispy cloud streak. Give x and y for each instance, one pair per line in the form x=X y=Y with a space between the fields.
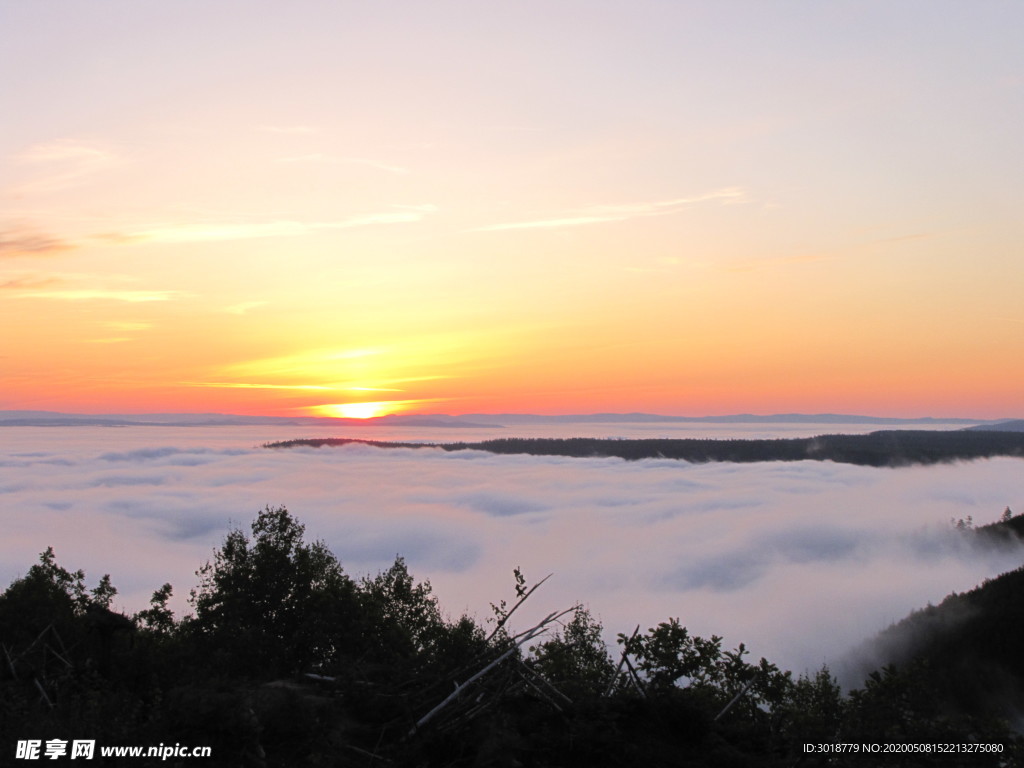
x=62 y=164
x=28 y=282
x=608 y=213
x=202 y=233
x=321 y=159
x=84 y=287
x=25 y=243
x=98 y=294
x=252 y=385
x=244 y=307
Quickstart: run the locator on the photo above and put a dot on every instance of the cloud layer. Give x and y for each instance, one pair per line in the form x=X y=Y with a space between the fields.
x=799 y=560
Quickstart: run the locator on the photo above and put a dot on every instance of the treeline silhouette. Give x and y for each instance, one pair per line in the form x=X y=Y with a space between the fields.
x=970 y=645
x=286 y=660
x=886 y=448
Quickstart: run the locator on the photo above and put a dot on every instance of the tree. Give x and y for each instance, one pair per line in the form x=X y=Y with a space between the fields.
x=668 y=654
x=576 y=659
x=401 y=615
x=158 y=618
x=812 y=709
x=49 y=595
x=273 y=604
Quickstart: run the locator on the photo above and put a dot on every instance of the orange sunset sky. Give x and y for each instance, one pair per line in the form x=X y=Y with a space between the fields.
x=450 y=207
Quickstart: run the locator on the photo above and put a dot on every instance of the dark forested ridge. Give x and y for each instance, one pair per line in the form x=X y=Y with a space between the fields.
x=886 y=448
x=286 y=660
x=1011 y=425
x=969 y=646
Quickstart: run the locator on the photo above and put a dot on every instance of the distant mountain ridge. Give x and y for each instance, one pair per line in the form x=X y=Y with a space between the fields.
x=470 y=420
x=58 y=419
x=739 y=418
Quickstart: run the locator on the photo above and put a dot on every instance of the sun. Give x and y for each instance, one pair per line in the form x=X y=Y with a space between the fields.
x=358 y=410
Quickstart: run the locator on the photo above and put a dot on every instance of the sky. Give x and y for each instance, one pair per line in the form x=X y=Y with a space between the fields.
x=341 y=208
x=801 y=561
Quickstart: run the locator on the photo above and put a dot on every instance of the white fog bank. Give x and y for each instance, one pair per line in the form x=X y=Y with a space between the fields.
x=798 y=560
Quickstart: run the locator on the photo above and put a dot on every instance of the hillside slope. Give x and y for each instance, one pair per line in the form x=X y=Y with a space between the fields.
x=968 y=648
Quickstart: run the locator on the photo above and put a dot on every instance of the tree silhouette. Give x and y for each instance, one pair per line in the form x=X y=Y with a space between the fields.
x=273 y=602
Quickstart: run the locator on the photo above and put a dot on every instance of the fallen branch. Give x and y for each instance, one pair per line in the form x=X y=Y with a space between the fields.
x=518 y=641
x=735 y=698
x=42 y=692
x=539 y=692
x=622 y=661
x=636 y=678
x=10 y=663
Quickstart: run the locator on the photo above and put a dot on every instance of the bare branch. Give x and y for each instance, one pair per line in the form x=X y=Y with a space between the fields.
x=548 y=683
x=622 y=661
x=735 y=698
x=10 y=662
x=502 y=621
x=636 y=678
x=42 y=692
x=538 y=691
x=518 y=641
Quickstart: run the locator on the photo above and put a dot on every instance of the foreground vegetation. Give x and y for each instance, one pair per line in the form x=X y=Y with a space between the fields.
x=287 y=660
x=886 y=448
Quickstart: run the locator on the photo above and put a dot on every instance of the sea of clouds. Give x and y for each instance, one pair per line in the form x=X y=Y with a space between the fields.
x=798 y=560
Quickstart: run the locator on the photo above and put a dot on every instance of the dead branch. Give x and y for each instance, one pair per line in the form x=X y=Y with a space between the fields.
x=459 y=688
x=10 y=662
x=735 y=698
x=636 y=678
x=49 y=648
x=536 y=675
x=622 y=661
x=538 y=690
x=365 y=753
x=502 y=621
x=518 y=641
x=33 y=643
x=42 y=692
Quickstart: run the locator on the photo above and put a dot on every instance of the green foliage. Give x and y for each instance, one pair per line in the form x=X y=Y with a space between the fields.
x=576 y=659
x=49 y=595
x=812 y=708
x=668 y=654
x=103 y=593
x=501 y=609
x=401 y=616
x=903 y=704
x=158 y=618
x=273 y=602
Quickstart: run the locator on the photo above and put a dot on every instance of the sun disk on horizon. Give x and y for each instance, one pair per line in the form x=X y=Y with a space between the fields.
x=358 y=410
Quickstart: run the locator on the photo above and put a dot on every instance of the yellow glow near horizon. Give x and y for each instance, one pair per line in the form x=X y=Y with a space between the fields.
x=359 y=410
